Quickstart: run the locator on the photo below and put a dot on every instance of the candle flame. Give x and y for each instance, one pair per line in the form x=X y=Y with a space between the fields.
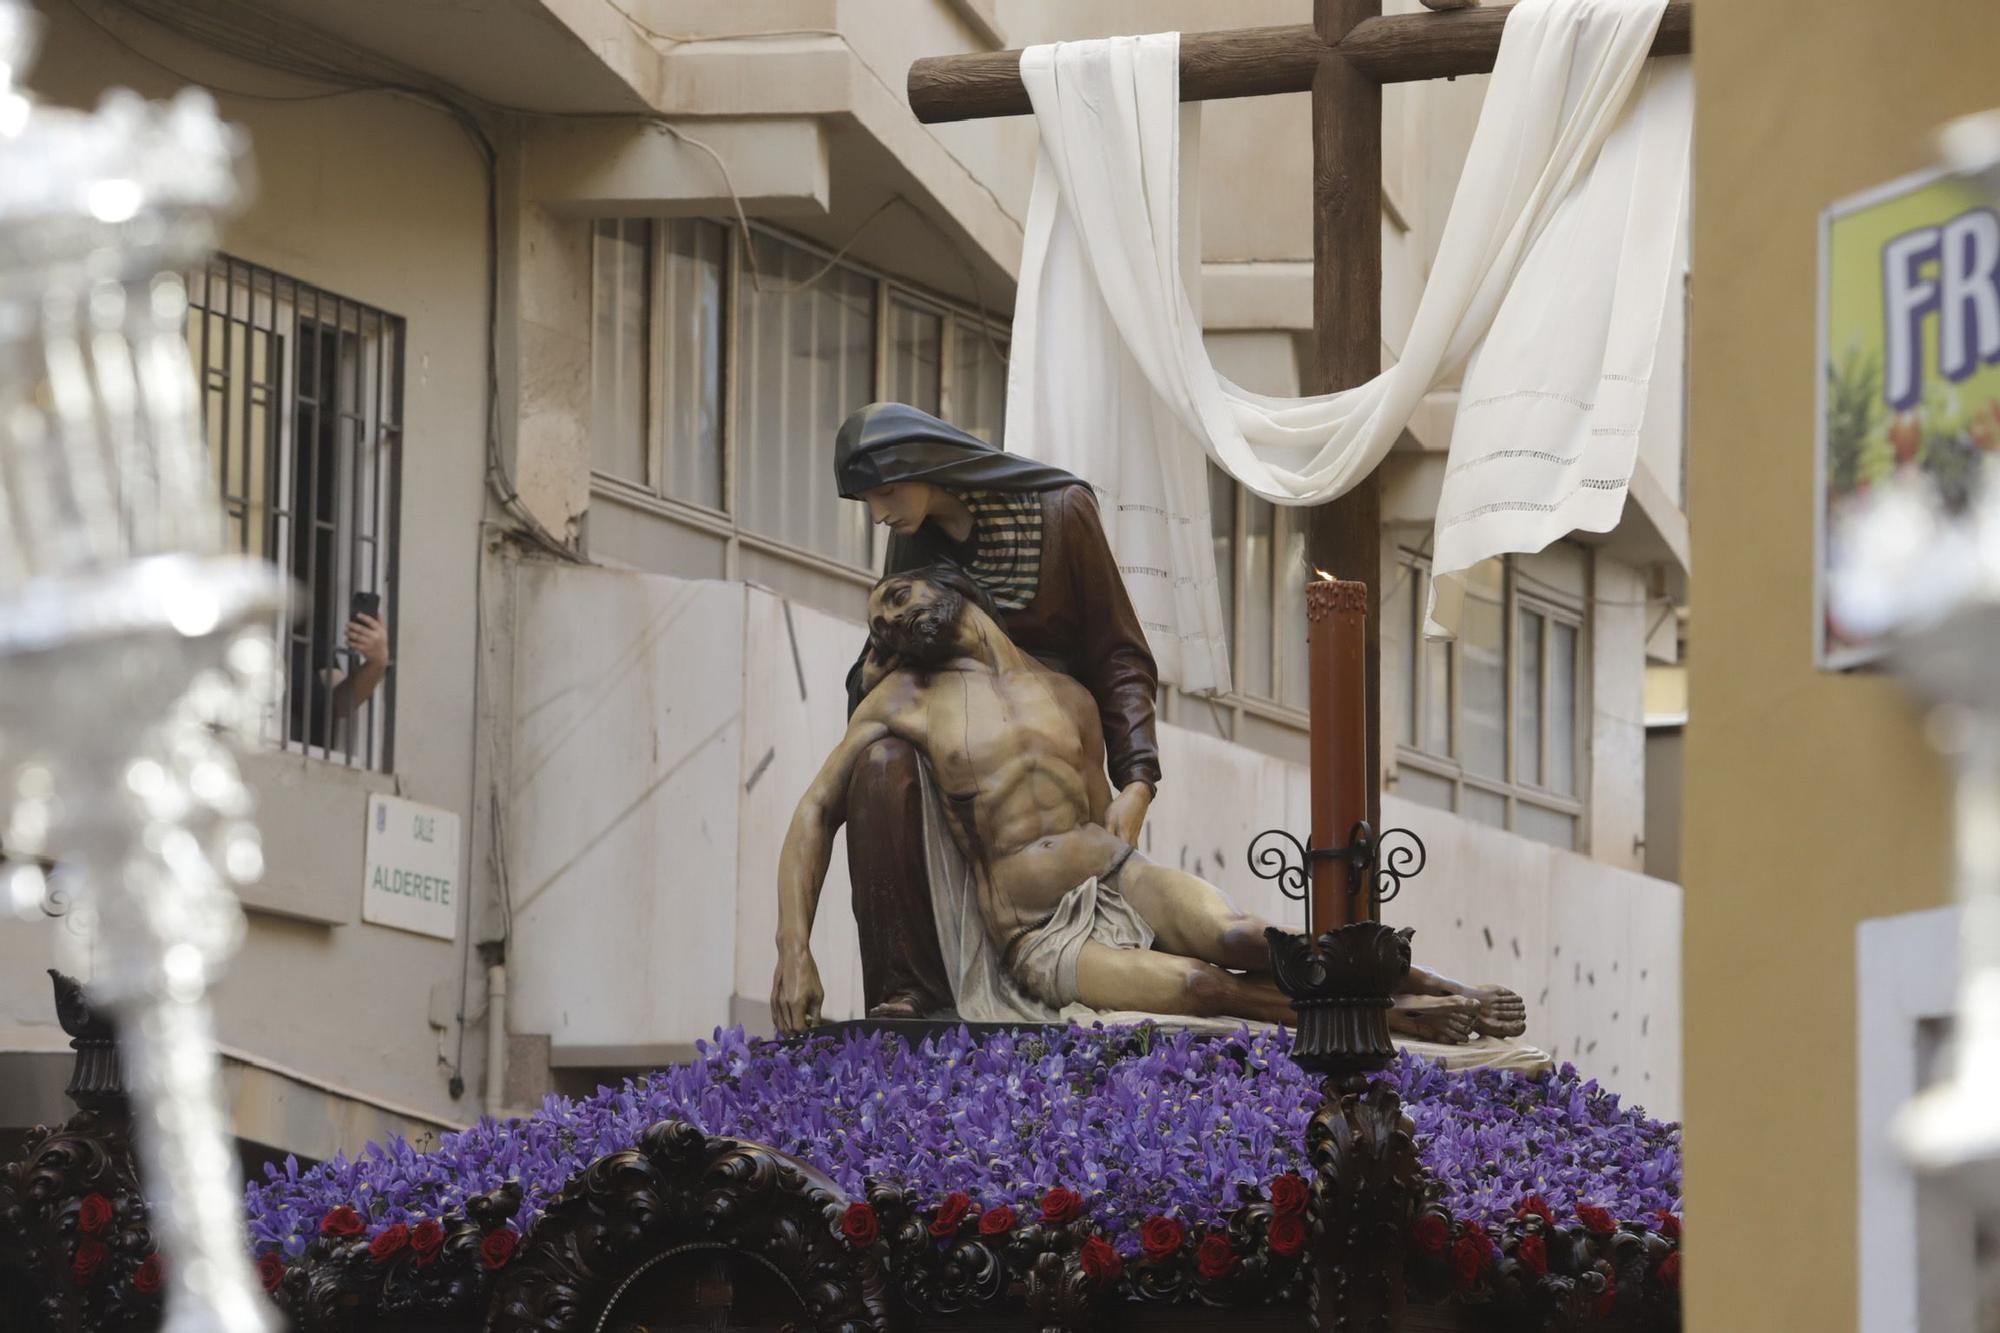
x=1322 y=575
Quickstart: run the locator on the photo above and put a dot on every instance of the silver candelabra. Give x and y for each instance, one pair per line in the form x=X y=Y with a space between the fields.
x=133 y=649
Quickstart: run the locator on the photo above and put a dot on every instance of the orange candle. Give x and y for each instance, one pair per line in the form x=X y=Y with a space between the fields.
x=1337 y=617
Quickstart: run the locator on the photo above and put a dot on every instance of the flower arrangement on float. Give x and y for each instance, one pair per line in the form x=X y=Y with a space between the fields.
x=1167 y=1164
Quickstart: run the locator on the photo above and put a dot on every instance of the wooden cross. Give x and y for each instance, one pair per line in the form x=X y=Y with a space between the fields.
x=1343 y=58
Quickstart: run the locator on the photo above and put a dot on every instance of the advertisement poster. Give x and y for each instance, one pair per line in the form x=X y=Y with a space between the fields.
x=1909 y=352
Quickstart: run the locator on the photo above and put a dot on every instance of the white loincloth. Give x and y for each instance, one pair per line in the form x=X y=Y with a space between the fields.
x=1045 y=956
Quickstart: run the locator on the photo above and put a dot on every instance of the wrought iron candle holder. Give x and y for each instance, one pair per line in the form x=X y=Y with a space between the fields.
x=1380 y=864
x=1342 y=983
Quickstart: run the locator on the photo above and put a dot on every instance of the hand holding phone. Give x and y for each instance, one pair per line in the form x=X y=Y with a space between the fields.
x=367 y=637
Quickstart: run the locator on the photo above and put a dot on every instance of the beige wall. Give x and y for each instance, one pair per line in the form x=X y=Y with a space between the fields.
x=1811 y=802
x=379 y=199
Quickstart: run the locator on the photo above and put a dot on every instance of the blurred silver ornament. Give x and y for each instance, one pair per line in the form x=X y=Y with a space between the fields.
x=132 y=646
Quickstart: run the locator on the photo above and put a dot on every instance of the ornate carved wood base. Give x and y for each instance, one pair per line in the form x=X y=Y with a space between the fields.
x=75 y=1248
x=612 y=1251
x=1341 y=986
x=687 y=1230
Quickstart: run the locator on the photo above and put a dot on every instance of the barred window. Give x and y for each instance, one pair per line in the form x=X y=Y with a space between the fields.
x=302 y=399
x=722 y=368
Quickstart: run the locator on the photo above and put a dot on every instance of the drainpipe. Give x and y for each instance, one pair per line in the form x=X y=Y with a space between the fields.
x=496 y=1038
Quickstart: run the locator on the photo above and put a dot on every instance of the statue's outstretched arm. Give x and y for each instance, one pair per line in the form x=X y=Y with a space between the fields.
x=796 y=992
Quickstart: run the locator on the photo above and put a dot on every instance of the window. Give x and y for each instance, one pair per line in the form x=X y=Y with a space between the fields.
x=1493 y=725
x=301 y=399
x=722 y=368
x=1266 y=543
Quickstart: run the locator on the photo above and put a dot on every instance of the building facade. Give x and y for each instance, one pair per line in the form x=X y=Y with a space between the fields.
x=1787 y=896
x=538 y=330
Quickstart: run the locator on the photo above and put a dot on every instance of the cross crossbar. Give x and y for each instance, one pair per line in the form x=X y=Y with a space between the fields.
x=1255 y=62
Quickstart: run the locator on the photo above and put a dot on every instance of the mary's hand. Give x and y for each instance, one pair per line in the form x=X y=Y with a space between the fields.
x=1126 y=814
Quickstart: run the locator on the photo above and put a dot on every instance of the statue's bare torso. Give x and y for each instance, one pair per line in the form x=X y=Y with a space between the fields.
x=1019 y=757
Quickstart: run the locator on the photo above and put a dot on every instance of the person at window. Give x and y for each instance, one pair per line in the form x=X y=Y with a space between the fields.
x=1029 y=535
x=367 y=644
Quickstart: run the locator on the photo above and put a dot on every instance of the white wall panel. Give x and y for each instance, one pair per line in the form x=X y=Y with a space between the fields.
x=1594 y=950
x=795 y=665
x=623 y=826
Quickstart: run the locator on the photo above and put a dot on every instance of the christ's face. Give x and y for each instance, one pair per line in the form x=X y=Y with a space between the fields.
x=915 y=619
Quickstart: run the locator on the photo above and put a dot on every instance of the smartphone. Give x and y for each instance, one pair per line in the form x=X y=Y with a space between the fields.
x=366 y=604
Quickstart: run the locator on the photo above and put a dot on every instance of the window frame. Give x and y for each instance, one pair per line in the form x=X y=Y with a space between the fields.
x=1555 y=608
x=1241 y=701
x=376 y=369
x=726 y=523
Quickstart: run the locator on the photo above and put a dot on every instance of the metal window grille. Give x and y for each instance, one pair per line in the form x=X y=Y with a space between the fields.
x=302 y=401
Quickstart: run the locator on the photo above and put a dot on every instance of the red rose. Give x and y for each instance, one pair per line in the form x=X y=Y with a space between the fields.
x=426 y=1239
x=90 y=1257
x=950 y=1213
x=1287 y=1234
x=270 y=1270
x=1670 y=1226
x=1161 y=1236
x=1606 y=1298
x=498 y=1247
x=1670 y=1270
x=996 y=1221
x=93 y=1214
x=387 y=1242
x=1596 y=1219
x=1533 y=1253
x=858 y=1224
x=1432 y=1234
x=341 y=1221
x=1101 y=1262
x=1214 y=1258
x=147 y=1278
x=1467 y=1258
x=1289 y=1194
x=1535 y=1206
x=1061 y=1205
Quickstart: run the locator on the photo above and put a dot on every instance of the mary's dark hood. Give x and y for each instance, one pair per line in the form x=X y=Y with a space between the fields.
x=885 y=442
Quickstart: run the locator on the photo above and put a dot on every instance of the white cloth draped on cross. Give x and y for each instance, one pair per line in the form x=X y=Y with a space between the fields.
x=1548 y=289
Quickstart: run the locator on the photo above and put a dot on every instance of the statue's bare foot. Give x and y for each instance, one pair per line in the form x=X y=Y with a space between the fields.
x=896 y=1006
x=1451 y=1019
x=1502 y=1013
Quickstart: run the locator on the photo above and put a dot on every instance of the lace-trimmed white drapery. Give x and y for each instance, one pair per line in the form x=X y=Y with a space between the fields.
x=1548 y=289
